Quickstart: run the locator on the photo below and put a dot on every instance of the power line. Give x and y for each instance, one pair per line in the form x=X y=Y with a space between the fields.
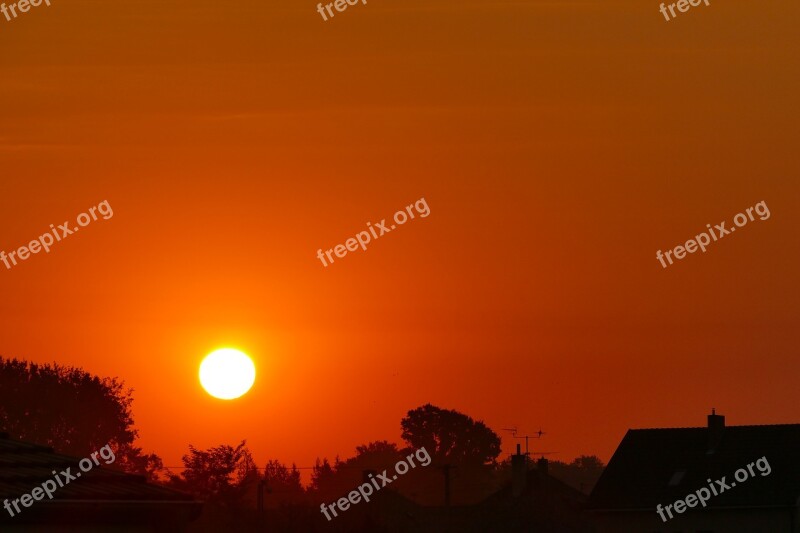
x=333 y=467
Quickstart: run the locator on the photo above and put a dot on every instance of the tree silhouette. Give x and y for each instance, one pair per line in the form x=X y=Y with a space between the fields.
x=322 y=474
x=379 y=451
x=283 y=485
x=217 y=475
x=72 y=411
x=375 y=456
x=582 y=473
x=450 y=437
x=131 y=459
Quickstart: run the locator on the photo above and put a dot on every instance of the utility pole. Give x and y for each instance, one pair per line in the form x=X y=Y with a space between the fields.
x=446 y=470
x=262 y=485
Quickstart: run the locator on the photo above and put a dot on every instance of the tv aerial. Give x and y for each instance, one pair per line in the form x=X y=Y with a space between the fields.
x=536 y=435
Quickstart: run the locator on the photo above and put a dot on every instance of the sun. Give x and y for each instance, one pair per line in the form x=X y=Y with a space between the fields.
x=227 y=373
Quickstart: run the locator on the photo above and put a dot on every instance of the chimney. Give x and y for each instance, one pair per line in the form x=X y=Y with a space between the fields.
x=519 y=472
x=716 y=426
x=541 y=464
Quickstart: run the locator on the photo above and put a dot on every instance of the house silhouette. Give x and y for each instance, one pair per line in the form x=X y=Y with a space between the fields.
x=100 y=500
x=658 y=467
x=532 y=501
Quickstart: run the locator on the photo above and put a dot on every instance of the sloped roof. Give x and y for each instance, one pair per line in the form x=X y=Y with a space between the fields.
x=25 y=466
x=539 y=481
x=639 y=474
x=545 y=505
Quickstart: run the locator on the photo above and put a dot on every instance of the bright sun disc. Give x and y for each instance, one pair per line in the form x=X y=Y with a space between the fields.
x=227 y=373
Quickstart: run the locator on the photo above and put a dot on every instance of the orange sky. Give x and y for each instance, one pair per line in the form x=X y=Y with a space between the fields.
x=558 y=145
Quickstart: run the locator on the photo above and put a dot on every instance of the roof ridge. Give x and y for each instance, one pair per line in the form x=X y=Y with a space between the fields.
x=726 y=427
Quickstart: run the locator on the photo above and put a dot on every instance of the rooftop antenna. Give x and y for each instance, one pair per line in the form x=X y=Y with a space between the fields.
x=537 y=435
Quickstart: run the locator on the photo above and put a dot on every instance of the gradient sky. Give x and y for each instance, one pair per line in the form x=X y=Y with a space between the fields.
x=559 y=145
